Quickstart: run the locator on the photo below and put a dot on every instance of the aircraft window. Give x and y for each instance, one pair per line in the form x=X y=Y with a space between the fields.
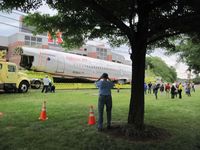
x=48 y=58
x=11 y=68
x=0 y=66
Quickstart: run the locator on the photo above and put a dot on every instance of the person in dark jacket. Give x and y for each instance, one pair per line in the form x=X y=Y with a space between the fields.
x=173 y=91
x=155 y=90
x=149 y=87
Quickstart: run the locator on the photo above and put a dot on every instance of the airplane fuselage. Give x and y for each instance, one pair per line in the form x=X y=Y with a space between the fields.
x=66 y=65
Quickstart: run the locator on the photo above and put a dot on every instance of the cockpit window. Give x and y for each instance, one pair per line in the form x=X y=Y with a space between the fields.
x=26 y=61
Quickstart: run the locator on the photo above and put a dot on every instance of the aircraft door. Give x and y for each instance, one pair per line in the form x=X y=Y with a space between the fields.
x=47 y=62
x=51 y=64
x=42 y=62
x=60 y=63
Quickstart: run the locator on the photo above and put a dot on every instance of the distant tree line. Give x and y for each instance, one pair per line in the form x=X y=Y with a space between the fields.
x=160 y=68
x=196 y=80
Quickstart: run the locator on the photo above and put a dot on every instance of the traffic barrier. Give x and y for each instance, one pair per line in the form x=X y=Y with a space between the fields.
x=91 y=118
x=62 y=86
x=43 y=114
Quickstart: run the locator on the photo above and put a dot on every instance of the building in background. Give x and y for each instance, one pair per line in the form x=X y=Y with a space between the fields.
x=25 y=38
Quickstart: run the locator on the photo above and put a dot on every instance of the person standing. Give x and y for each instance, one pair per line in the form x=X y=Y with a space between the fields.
x=193 y=88
x=46 y=82
x=104 y=84
x=162 y=88
x=173 y=90
x=155 y=90
x=149 y=87
x=145 y=88
x=188 y=89
x=180 y=88
x=167 y=89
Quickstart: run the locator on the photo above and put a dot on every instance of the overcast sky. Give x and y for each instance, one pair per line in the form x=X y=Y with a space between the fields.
x=9 y=24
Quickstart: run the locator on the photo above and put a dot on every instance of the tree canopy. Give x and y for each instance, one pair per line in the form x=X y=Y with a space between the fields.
x=115 y=20
x=188 y=48
x=139 y=23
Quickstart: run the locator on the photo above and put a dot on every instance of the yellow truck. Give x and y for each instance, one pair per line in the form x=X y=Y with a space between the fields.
x=11 y=79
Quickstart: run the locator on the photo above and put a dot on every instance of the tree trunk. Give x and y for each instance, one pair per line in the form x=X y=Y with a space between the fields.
x=138 y=45
x=136 y=107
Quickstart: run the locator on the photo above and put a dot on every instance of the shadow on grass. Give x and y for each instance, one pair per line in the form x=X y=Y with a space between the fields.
x=129 y=133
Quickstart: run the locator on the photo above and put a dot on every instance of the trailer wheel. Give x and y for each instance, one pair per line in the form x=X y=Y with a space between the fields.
x=23 y=87
x=37 y=85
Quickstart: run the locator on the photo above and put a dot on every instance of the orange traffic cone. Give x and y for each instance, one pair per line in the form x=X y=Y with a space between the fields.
x=43 y=115
x=91 y=118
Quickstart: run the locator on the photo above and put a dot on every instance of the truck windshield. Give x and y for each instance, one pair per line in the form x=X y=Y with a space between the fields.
x=26 y=61
x=11 y=68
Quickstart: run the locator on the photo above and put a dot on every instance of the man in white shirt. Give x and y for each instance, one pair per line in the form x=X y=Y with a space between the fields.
x=46 y=82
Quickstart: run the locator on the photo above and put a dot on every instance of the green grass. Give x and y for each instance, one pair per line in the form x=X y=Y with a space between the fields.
x=67 y=127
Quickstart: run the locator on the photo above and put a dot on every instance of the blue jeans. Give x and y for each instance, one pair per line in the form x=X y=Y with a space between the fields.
x=104 y=100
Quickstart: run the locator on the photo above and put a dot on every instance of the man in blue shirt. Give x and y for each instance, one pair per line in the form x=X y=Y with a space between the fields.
x=104 y=85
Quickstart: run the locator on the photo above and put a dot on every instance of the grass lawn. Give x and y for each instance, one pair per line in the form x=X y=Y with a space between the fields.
x=67 y=127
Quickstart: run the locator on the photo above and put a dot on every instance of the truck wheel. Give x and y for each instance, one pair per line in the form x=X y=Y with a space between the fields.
x=23 y=87
x=37 y=84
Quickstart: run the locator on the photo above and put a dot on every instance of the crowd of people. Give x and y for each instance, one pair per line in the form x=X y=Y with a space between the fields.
x=174 y=89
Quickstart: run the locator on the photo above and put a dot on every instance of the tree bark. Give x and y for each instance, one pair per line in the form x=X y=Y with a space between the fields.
x=138 y=46
x=136 y=107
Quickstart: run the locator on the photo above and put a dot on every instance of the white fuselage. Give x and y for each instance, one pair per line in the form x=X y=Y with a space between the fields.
x=68 y=65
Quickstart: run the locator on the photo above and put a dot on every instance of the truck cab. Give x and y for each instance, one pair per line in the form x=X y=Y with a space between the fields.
x=11 y=79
